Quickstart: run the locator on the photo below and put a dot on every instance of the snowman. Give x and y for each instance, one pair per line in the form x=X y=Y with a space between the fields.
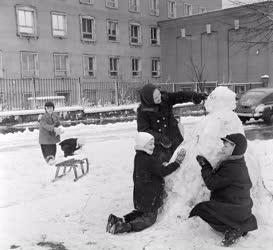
x=185 y=188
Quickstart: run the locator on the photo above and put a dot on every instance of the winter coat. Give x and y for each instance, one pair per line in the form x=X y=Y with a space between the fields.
x=230 y=200
x=47 y=134
x=160 y=121
x=149 y=182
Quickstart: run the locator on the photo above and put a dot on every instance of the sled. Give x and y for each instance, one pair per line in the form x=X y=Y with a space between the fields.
x=68 y=165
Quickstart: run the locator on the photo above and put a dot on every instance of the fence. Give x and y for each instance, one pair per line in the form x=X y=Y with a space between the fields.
x=32 y=93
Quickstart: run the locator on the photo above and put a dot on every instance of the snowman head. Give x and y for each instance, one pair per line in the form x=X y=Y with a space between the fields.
x=221 y=99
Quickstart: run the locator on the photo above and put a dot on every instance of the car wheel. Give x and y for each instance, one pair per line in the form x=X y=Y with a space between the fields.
x=268 y=116
x=243 y=119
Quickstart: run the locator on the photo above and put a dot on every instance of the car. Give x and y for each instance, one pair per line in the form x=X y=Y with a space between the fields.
x=256 y=103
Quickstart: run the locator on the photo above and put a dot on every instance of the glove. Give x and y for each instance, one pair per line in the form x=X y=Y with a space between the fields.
x=202 y=161
x=198 y=97
x=165 y=142
x=58 y=131
x=180 y=156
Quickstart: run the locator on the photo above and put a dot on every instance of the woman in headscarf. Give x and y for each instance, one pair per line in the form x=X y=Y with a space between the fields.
x=155 y=116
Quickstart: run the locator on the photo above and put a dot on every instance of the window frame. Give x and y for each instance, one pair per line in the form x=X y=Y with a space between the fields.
x=202 y=9
x=134 y=7
x=67 y=65
x=84 y=66
x=35 y=61
x=188 y=9
x=117 y=67
x=157 y=36
x=108 y=2
x=154 y=11
x=139 y=37
x=84 y=39
x=174 y=13
x=107 y=29
x=90 y=2
x=56 y=13
x=33 y=10
x=157 y=59
x=139 y=70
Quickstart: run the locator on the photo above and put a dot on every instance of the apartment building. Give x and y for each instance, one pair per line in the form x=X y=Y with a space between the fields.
x=97 y=40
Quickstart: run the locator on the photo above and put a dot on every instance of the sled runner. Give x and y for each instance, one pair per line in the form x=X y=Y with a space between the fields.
x=75 y=164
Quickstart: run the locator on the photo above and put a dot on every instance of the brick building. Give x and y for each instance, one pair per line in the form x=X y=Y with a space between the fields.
x=97 y=40
x=229 y=45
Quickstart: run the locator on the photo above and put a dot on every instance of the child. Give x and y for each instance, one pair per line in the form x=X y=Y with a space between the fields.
x=229 y=208
x=148 y=187
x=49 y=133
x=70 y=145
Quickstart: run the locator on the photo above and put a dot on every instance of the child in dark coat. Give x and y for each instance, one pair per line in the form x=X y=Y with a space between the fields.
x=49 y=133
x=148 y=179
x=70 y=145
x=229 y=208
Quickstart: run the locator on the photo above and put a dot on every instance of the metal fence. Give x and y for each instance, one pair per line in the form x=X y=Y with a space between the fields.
x=32 y=93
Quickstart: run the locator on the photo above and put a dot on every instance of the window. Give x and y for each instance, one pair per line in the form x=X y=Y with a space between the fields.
x=87 y=1
x=135 y=34
x=29 y=64
x=112 y=30
x=187 y=9
x=111 y=4
x=89 y=66
x=26 y=21
x=1 y=65
x=113 y=66
x=61 y=64
x=202 y=9
x=155 y=67
x=59 y=25
x=154 y=7
x=136 y=67
x=155 y=36
x=134 y=5
x=87 y=28
x=171 y=9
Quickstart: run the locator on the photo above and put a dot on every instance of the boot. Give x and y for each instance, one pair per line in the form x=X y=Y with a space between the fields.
x=112 y=219
x=231 y=236
x=120 y=227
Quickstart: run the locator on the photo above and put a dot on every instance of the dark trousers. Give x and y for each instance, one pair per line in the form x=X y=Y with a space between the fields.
x=207 y=217
x=49 y=151
x=140 y=220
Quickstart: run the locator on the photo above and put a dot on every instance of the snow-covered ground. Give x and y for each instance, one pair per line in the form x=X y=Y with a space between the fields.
x=33 y=209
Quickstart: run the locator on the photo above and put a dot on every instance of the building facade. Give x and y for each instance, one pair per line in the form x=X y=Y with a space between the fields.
x=97 y=40
x=228 y=46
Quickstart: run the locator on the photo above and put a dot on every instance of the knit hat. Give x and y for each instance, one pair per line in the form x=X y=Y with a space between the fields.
x=240 y=143
x=50 y=104
x=146 y=95
x=142 y=138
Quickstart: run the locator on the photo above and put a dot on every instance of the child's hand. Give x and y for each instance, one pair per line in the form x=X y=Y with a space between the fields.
x=180 y=156
x=202 y=160
x=58 y=131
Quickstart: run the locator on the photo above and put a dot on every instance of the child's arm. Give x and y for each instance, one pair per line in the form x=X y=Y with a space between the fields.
x=45 y=125
x=212 y=180
x=160 y=170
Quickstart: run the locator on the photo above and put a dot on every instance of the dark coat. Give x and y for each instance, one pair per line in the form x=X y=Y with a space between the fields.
x=230 y=201
x=159 y=120
x=149 y=182
x=47 y=134
x=69 y=146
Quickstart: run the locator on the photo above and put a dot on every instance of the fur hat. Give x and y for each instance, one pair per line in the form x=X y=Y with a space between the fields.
x=146 y=95
x=240 y=143
x=142 y=138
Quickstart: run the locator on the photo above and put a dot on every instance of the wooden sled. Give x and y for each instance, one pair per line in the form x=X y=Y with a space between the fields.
x=68 y=165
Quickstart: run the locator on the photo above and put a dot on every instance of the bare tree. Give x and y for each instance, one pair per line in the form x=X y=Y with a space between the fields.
x=257 y=21
x=198 y=75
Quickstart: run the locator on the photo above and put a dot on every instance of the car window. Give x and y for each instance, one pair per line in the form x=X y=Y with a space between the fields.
x=252 y=97
x=268 y=99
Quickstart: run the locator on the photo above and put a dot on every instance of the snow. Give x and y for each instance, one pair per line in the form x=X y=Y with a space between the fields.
x=34 y=209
